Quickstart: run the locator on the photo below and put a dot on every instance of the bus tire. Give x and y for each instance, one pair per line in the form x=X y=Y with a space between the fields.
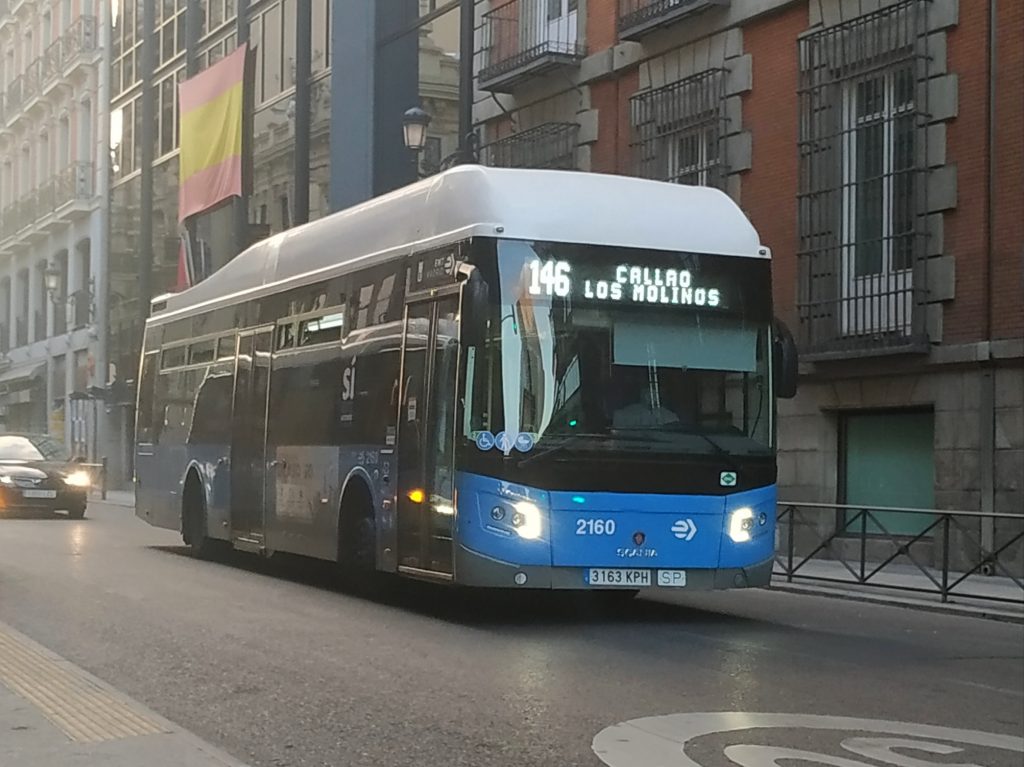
x=357 y=529
x=193 y=519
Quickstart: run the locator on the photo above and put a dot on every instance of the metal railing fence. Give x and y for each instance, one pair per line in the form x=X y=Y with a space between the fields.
x=944 y=552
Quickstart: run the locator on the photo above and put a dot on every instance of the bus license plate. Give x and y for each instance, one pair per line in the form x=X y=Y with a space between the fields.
x=604 y=576
x=672 y=578
x=39 y=493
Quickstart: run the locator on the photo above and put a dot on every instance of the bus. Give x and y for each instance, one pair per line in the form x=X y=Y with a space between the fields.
x=493 y=377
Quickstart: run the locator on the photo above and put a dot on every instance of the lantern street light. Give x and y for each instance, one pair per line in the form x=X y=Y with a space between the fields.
x=52 y=278
x=414 y=128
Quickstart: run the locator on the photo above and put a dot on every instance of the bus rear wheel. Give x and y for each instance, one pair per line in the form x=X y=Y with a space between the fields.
x=194 y=524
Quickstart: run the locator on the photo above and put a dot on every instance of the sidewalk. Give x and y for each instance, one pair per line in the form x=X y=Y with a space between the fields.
x=124 y=498
x=54 y=714
x=975 y=596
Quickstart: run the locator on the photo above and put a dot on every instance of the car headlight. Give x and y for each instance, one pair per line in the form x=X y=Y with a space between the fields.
x=6 y=480
x=78 y=479
x=741 y=522
x=526 y=520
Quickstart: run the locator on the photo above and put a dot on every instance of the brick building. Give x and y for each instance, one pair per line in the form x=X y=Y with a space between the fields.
x=878 y=147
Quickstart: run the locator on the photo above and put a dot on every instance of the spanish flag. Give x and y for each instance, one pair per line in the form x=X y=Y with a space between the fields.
x=211 y=108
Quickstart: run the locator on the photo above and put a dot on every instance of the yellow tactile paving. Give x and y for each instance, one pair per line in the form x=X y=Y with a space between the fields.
x=83 y=710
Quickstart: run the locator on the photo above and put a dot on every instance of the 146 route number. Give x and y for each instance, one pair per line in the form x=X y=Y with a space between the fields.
x=595 y=527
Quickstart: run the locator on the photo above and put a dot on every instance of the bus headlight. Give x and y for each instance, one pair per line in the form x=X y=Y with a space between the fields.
x=526 y=520
x=741 y=522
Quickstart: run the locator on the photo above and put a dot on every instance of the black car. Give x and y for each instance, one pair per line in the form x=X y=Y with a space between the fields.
x=36 y=473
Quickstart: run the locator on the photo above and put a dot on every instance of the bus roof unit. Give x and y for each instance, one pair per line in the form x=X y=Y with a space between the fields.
x=478 y=201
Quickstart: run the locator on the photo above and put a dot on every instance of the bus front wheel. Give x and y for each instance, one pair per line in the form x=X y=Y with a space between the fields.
x=357 y=531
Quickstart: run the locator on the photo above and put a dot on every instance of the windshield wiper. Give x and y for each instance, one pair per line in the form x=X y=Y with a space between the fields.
x=572 y=439
x=565 y=444
x=677 y=428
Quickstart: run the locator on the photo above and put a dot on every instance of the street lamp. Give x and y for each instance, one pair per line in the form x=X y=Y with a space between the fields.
x=52 y=277
x=414 y=129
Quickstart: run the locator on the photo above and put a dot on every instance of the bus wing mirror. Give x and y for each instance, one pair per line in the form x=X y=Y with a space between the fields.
x=474 y=305
x=785 y=362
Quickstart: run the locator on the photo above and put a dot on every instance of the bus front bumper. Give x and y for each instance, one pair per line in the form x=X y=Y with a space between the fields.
x=474 y=569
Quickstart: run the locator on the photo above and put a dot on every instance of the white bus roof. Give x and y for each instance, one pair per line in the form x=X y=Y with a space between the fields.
x=477 y=201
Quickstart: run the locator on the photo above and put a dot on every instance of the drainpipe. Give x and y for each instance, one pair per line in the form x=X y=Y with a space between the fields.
x=988 y=394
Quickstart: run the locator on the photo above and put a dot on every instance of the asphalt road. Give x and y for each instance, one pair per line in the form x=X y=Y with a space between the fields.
x=278 y=665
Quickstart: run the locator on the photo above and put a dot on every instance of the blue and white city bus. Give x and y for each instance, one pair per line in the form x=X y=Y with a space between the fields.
x=493 y=377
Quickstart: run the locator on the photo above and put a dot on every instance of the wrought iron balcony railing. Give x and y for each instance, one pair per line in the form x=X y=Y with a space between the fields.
x=80 y=39
x=522 y=38
x=549 y=145
x=52 y=68
x=638 y=17
x=73 y=184
x=33 y=79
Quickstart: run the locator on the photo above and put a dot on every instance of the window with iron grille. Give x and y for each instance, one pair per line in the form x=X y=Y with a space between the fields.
x=549 y=145
x=678 y=131
x=861 y=206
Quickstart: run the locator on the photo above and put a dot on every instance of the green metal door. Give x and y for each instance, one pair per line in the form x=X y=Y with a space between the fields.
x=890 y=461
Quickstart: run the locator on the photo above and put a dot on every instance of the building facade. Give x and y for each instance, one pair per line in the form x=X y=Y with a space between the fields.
x=52 y=221
x=877 y=147
x=408 y=48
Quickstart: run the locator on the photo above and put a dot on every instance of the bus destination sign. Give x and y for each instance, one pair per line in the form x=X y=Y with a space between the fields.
x=432 y=271
x=626 y=283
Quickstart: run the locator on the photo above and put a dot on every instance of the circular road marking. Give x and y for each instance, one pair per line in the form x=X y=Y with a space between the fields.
x=663 y=741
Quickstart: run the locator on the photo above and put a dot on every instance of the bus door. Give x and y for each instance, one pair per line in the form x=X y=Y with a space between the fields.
x=426 y=422
x=249 y=438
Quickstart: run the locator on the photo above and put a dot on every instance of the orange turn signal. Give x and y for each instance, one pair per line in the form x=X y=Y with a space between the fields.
x=416 y=496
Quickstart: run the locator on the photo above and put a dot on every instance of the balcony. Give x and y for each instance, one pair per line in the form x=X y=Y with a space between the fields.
x=523 y=38
x=67 y=196
x=51 y=67
x=549 y=145
x=79 y=44
x=46 y=207
x=26 y=212
x=639 y=17
x=33 y=85
x=73 y=190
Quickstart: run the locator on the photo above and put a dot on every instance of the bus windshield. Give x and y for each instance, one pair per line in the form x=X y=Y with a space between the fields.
x=612 y=349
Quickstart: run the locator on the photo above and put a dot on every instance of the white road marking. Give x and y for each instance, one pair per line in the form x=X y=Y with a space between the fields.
x=660 y=741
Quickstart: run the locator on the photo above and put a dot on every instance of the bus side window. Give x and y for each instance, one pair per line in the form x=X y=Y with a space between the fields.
x=145 y=404
x=285 y=337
